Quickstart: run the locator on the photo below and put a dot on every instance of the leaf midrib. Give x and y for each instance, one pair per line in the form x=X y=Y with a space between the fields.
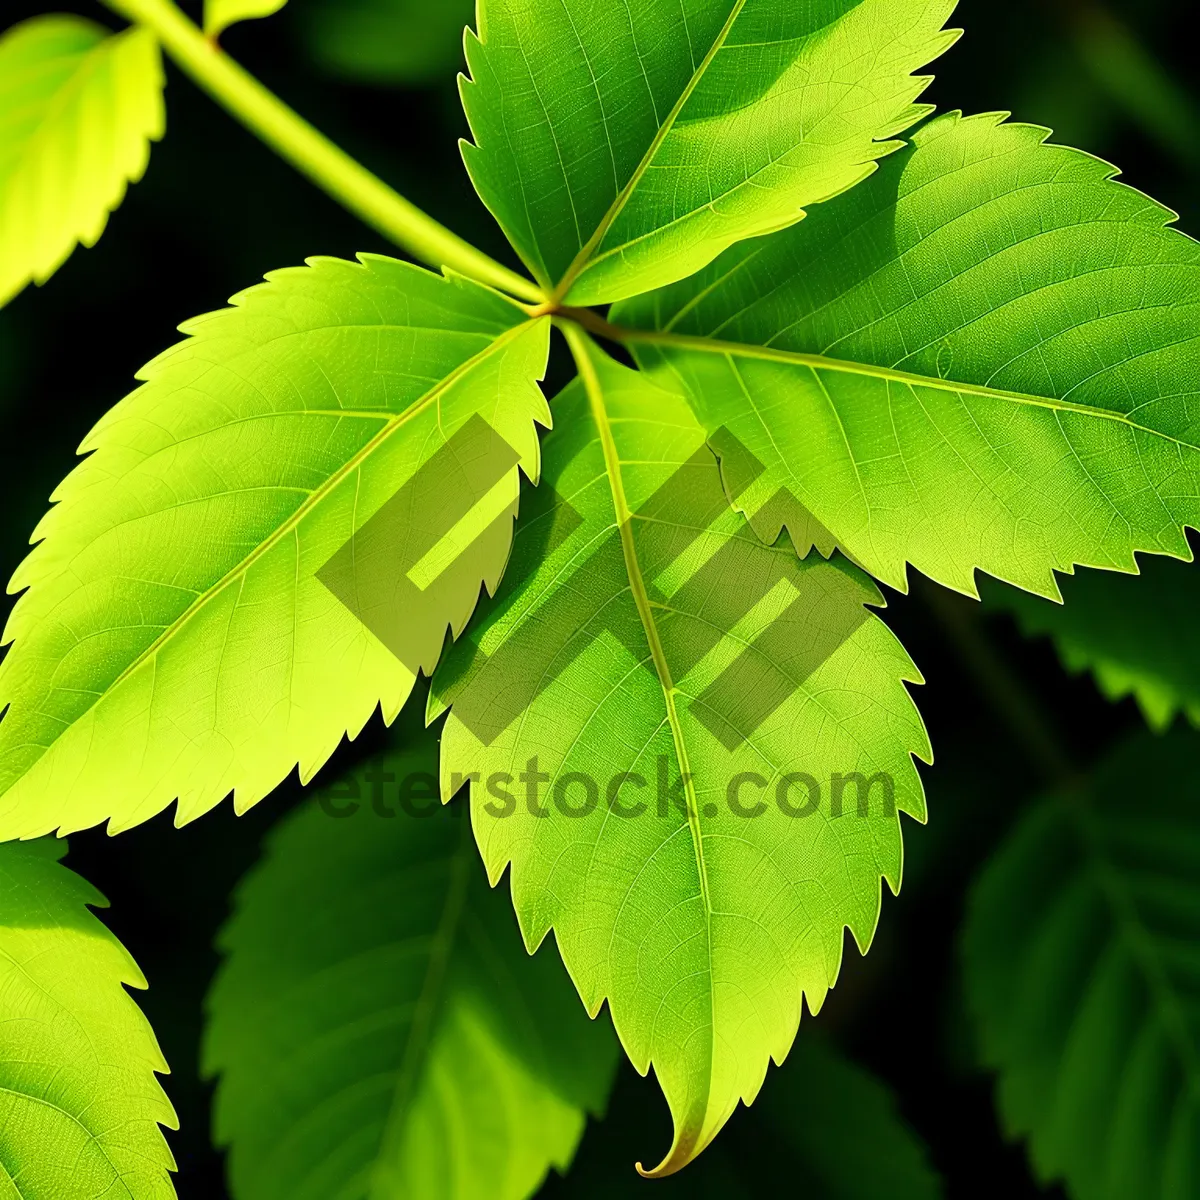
x=315 y=498
x=821 y=362
x=581 y=260
x=581 y=349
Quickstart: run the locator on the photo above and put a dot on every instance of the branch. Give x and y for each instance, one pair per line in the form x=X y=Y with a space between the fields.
x=313 y=154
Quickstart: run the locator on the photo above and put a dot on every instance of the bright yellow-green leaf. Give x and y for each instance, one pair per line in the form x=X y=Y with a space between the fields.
x=723 y=738
x=984 y=358
x=80 y=1107
x=625 y=145
x=220 y=14
x=174 y=639
x=78 y=109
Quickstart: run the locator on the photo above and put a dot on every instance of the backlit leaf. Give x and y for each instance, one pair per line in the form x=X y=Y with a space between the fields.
x=378 y=1028
x=623 y=146
x=79 y=108
x=80 y=1105
x=174 y=639
x=220 y=14
x=747 y=701
x=984 y=358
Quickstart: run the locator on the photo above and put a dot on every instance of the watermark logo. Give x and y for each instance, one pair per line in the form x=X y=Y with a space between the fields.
x=430 y=544
x=626 y=795
x=405 y=570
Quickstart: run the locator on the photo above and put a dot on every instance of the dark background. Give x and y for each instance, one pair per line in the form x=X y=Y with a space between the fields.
x=217 y=210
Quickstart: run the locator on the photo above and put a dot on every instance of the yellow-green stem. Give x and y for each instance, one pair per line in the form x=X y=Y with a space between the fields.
x=313 y=154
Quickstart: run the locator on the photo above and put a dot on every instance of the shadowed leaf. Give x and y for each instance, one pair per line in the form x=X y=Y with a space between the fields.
x=1137 y=634
x=1082 y=968
x=378 y=1028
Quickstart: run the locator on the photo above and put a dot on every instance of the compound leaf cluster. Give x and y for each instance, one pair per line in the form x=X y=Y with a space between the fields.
x=968 y=351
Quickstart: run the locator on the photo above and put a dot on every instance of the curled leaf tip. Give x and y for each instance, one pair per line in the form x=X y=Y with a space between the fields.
x=678 y=1157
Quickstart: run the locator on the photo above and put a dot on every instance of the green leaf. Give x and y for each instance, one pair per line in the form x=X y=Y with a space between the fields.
x=220 y=14
x=387 y=41
x=623 y=146
x=985 y=358
x=78 y=110
x=377 y=1025
x=80 y=1107
x=174 y=640
x=1082 y=966
x=1137 y=634
x=643 y=628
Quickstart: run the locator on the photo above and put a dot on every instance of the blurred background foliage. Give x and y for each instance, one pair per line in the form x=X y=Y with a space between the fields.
x=217 y=210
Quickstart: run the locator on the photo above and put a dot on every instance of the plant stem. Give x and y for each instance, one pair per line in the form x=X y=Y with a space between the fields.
x=313 y=154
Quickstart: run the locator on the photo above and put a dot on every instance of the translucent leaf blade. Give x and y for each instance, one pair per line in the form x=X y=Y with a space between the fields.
x=368 y=960
x=174 y=638
x=985 y=358
x=78 y=110
x=80 y=1105
x=627 y=651
x=624 y=146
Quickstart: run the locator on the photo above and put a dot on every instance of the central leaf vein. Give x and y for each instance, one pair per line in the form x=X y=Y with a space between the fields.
x=622 y=198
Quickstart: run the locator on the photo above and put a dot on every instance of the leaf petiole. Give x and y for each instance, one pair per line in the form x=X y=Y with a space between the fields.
x=313 y=154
